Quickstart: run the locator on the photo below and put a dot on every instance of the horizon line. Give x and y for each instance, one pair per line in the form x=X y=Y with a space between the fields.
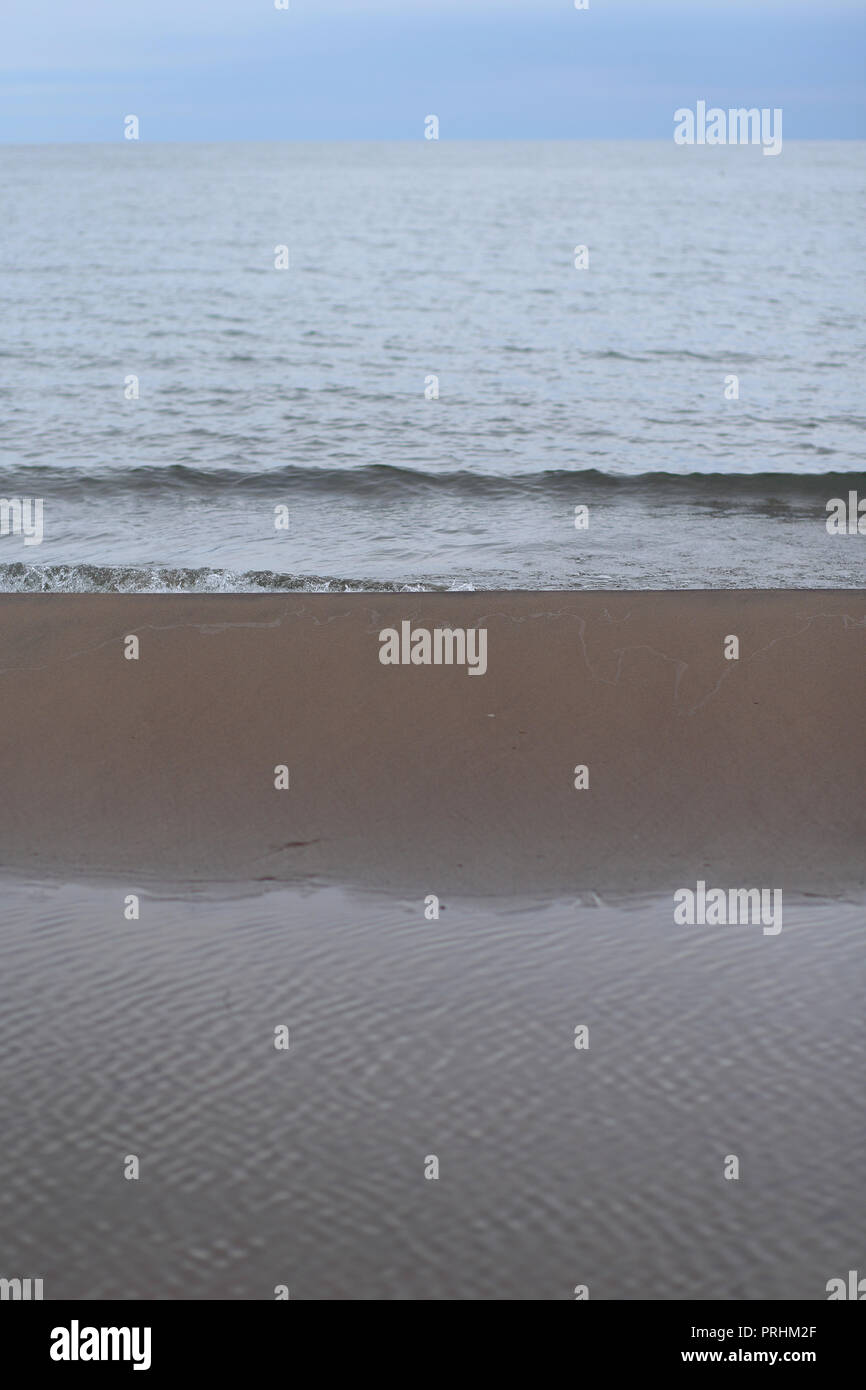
x=420 y=140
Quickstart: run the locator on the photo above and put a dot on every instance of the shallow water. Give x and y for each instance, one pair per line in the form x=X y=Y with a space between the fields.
x=557 y=387
x=410 y=1038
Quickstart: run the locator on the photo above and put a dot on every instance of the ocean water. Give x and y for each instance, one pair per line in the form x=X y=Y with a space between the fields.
x=410 y=1038
x=305 y=387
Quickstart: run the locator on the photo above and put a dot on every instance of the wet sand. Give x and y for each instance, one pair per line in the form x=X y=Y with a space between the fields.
x=423 y=779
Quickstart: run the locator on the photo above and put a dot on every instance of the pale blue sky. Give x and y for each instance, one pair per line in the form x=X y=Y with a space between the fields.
x=373 y=69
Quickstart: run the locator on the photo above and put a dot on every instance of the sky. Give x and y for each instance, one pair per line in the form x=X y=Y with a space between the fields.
x=72 y=70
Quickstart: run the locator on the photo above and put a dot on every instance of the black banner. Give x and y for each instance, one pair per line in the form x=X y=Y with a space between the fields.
x=162 y=1339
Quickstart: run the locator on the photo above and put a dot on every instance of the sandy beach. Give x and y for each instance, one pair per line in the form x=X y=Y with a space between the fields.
x=421 y=779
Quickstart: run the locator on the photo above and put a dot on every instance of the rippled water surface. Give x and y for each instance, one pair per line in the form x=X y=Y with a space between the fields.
x=410 y=1038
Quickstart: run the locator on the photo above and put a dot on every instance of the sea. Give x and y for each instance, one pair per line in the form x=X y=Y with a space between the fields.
x=431 y=365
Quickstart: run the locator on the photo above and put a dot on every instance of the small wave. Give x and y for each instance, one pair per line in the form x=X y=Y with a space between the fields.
x=167 y=579
x=384 y=481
